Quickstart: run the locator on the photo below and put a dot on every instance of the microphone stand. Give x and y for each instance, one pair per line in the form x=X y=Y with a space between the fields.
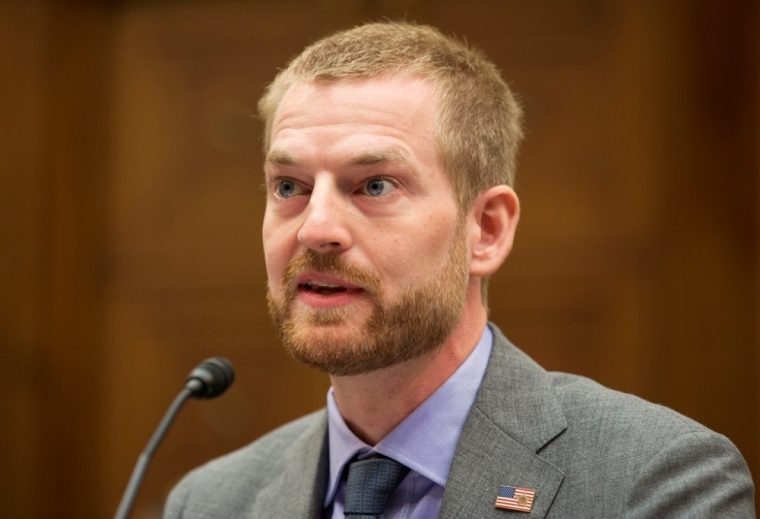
x=130 y=494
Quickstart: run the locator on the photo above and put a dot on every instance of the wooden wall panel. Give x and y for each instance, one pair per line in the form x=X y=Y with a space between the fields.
x=54 y=59
x=75 y=180
x=22 y=39
x=708 y=234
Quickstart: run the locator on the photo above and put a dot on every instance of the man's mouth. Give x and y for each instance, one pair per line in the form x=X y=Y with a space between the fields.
x=322 y=287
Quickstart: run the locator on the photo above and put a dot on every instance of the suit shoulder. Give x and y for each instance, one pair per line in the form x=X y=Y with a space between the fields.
x=652 y=457
x=621 y=433
x=583 y=399
x=232 y=481
x=266 y=451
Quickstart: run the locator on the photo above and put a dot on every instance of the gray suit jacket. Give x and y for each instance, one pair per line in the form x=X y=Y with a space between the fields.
x=587 y=451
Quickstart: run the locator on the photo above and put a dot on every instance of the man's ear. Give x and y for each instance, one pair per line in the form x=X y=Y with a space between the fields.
x=492 y=224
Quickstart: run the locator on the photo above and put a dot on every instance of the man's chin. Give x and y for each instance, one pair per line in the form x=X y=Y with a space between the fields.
x=333 y=347
x=328 y=328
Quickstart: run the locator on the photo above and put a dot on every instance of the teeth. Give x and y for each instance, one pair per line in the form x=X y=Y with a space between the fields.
x=323 y=287
x=322 y=284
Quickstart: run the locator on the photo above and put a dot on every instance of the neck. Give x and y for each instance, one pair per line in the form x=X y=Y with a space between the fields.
x=373 y=404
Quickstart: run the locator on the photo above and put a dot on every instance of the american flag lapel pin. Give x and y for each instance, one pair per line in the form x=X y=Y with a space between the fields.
x=515 y=498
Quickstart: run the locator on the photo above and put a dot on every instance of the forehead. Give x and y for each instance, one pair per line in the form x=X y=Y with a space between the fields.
x=407 y=103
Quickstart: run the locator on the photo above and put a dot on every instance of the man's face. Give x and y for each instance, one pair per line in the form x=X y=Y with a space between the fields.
x=364 y=242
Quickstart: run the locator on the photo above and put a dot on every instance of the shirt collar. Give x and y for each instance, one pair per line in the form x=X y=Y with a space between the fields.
x=425 y=441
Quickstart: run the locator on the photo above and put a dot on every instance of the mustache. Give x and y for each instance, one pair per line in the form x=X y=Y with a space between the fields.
x=333 y=265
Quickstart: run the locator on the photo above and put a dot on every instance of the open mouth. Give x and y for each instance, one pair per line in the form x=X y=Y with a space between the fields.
x=322 y=288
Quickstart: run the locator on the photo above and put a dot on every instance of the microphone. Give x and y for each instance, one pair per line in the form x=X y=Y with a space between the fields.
x=209 y=379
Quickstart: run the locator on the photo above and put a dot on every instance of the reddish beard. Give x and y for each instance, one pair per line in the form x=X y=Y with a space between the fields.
x=337 y=341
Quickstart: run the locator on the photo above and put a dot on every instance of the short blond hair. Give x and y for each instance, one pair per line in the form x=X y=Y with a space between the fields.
x=478 y=130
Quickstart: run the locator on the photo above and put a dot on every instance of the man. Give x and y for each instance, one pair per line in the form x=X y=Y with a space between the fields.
x=390 y=152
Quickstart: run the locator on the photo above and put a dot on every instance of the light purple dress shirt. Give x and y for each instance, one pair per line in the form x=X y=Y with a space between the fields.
x=424 y=442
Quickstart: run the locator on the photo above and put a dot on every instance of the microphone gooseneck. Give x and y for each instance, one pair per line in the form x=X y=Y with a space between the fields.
x=209 y=379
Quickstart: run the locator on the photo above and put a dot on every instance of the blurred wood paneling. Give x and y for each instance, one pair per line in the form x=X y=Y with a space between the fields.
x=55 y=93
x=130 y=219
x=22 y=188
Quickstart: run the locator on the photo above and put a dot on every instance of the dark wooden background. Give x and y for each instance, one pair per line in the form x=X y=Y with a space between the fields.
x=130 y=216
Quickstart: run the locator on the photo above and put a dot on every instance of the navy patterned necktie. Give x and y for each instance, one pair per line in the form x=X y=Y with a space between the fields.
x=370 y=483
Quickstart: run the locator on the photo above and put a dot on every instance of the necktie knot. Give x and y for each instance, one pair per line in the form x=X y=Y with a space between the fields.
x=370 y=483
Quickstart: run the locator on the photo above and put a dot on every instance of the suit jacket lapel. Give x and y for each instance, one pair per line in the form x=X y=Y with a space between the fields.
x=515 y=414
x=299 y=490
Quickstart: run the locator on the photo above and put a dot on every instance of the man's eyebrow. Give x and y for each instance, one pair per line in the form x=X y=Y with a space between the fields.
x=282 y=158
x=371 y=158
x=377 y=157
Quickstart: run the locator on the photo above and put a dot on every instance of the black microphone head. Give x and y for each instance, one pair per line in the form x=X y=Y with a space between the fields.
x=210 y=378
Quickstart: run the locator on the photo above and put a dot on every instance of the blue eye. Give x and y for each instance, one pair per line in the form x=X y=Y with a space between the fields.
x=286 y=188
x=378 y=187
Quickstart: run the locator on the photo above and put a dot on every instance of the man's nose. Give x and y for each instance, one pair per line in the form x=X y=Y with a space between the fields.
x=325 y=224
